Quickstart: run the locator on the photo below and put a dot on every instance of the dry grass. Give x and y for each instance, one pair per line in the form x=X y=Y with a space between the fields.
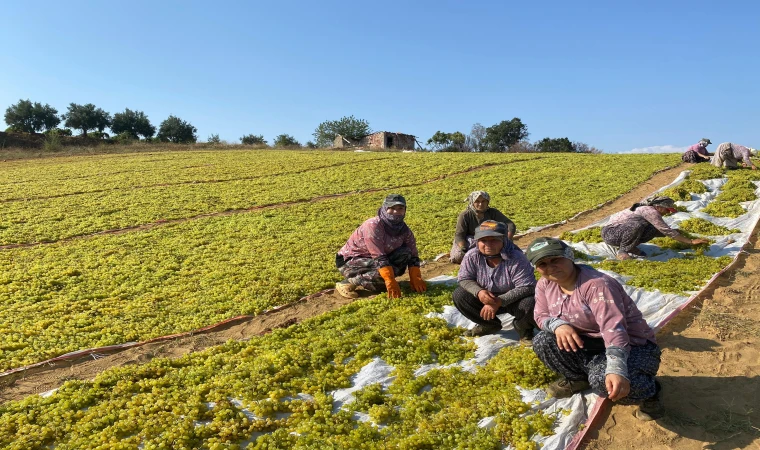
x=726 y=325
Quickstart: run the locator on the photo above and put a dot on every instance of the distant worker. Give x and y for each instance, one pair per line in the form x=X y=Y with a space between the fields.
x=378 y=251
x=477 y=211
x=592 y=332
x=496 y=278
x=728 y=155
x=642 y=223
x=698 y=152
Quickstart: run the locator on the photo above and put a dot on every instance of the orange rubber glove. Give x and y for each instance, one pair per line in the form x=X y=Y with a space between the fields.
x=415 y=279
x=394 y=291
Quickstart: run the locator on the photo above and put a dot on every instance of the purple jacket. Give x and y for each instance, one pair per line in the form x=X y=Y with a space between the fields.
x=371 y=241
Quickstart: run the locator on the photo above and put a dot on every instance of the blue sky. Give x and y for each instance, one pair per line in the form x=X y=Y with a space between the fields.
x=619 y=76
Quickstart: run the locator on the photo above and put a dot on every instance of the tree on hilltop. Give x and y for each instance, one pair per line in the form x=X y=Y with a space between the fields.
x=558 y=145
x=503 y=135
x=133 y=123
x=31 y=117
x=349 y=127
x=286 y=141
x=253 y=139
x=86 y=117
x=176 y=130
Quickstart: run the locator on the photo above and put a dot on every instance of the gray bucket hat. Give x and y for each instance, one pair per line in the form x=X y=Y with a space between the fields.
x=544 y=247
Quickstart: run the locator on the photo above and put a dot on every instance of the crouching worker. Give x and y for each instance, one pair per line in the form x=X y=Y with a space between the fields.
x=496 y=278
x=478 y=210
x=642 y=223
x=592 y=333
x=378 y=251
x=728 y=155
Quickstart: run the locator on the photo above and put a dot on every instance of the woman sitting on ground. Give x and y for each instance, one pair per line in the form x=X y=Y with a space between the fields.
x=697 y=153
x=468 y=220
x=592 y=333
x=642 y=223
x=496 y=278
x=378 y=251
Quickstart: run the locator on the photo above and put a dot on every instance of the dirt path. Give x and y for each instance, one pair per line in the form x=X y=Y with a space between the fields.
x=710 y=373
x=48 y=377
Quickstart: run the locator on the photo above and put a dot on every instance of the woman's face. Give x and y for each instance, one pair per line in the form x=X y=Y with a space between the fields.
x=556 y=268
x=665 y=211
x=490 y=245
x=396 y=210
x=480 y=204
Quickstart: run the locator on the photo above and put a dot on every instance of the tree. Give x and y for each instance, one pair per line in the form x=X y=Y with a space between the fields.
x=134 y=123
x=581 y=147
x=474 y=141
x=176 y=130
x=310 y=144
x=286 y=141
x=86 y=117
x=349 y=127
x=31 y=117
x=562 y=145
x=214 y=139
x=253 y=139
x=448 y=142
x=503 y=135
x=440 y=140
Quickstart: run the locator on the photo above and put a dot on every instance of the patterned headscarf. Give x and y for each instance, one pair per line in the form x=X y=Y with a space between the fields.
x=393 y=225
x=474 y=196
x=656 y=200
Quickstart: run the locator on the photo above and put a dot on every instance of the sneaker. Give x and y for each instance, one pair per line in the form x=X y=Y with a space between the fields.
x=346 y=289
x=566 y=388
x=652 y=408
x=481 y=330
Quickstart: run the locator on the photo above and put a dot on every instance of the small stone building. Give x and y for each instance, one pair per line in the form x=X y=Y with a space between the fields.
x=378 y=139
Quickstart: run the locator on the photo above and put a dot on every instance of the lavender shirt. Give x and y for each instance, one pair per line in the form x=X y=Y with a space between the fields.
x=698 y=148
x=742 y=153
x=598 y=308
x=371 y=241
x=513 y=271
x=648 y=213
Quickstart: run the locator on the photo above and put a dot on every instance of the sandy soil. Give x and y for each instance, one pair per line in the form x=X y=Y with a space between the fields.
x=48 y=377
x=710 y=373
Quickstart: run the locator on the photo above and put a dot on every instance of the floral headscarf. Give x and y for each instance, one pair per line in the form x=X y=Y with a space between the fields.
x=474 y=196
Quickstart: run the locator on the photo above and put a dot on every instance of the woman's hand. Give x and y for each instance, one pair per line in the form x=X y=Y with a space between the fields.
x=699 y=241
x=617 y=387
x=487 y=298
x=487 y=312
x=567 y=338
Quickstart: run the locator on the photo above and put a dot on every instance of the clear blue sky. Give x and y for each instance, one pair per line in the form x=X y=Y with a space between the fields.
x=616 y=75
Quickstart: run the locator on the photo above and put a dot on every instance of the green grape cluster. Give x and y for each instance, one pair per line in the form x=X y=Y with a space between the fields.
x=589 y=235
x=677 y=275
x=738 y=188
x=704 y=227
x=684 y=190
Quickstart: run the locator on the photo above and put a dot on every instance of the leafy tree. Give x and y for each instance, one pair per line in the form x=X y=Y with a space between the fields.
x=349 y=127
x=86 y=117
x=214 y=139
x=285 y=141
x=555 y=145
x=310 y=144
x=440 y=140
x=31 y=117
x=253 y=139
x=134 y=123
x=448 y=142
x=503 y=135
x=176 y=130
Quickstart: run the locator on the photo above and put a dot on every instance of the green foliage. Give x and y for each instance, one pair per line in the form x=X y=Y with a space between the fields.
x=59 y=131
x=53 y=142
x=28 y=117
x=253 y=139
x=558 y=145
x=684 y=190
x=448 y=142
x=286 y=141
x=86 y=117
x=349 y=127
x=676 y=276
x=704 y=227
x=214 y=139
x=176 y=130
x=590 y=235
x=500 y=137
x=133 y=123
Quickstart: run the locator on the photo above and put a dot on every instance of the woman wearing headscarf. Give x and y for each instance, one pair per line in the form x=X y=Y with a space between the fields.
x=496 y=278
x=697 y=153
x=729 y=154
x=378 y=251
x=477 y=211
x=642 y=223
x=592 y=332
